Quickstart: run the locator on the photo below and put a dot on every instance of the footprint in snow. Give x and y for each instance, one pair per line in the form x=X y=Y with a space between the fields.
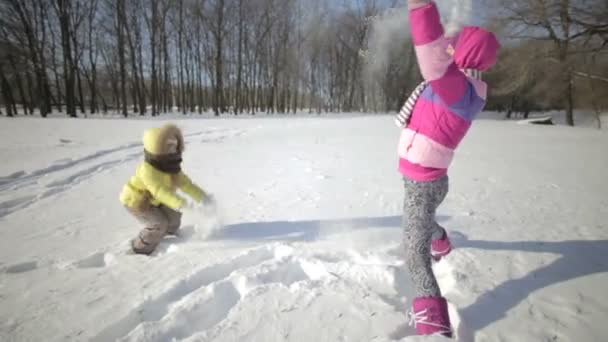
x=97 y=260
x=22 y=267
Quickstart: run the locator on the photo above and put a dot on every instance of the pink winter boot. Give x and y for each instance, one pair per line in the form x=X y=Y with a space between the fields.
x=441 y=247
x=430 y=314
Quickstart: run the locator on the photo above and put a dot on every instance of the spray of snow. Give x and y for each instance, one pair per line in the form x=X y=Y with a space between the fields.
x=207 y=220
x=390 y=29
x=460 y=13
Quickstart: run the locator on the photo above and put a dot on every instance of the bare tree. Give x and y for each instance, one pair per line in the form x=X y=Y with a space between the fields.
x=279 y=56
x=152 y=19
x=63 y=10
x=92 y=42
x=238 y=105
x=120 y=27
x=218 y=32
x=559 y=22
x=24 y=22
x=7 y=94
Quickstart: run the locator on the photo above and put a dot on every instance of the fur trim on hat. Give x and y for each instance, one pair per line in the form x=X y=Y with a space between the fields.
x=159 y=143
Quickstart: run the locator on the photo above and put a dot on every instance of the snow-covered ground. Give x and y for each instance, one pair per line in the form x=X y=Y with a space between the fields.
x=309 y=249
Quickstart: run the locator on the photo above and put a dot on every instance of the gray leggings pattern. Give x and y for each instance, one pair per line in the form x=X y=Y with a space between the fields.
x=420 y=203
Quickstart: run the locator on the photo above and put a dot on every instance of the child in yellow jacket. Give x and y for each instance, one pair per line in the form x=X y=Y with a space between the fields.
x=151 y=194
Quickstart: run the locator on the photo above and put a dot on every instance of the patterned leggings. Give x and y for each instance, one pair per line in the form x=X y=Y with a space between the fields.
x=421 y=202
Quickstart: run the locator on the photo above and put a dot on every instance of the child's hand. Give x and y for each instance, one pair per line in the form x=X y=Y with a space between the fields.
x=205 y=208
x=188 y=206
x=208 y=201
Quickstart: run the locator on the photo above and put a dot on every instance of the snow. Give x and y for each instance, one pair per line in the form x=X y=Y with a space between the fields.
x=306 y=246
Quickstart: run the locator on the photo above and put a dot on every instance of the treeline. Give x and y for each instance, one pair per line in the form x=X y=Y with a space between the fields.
x=556 y=57
x=139 y=57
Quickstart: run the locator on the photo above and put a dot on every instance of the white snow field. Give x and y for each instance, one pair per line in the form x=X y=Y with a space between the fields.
x=307 y=243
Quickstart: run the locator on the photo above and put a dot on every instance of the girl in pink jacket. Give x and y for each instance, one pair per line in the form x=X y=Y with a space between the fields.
x=434 y=120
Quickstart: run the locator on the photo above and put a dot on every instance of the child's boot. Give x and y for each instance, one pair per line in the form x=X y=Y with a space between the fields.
x=430 y=315
x=141 y=247
x=441 y=247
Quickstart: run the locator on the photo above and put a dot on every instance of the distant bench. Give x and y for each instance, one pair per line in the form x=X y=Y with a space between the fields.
x=546 y=120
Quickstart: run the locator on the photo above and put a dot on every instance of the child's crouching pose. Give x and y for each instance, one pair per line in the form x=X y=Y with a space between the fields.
x=151 y=194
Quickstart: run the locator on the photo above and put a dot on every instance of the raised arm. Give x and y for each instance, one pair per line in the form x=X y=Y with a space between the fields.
x=436 y=64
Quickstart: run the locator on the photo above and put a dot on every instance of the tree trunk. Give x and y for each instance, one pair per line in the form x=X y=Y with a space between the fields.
x=135 y=91
x=239 y=72
x=7 y=95
x=180 y=57
x=201 y=97
x=80 y=93
x=93 y=55
x=120 y=34
x=153 y=46
x=219 y=67
x=30 y=90
x=570 y=100
x=104 y=104
x=77 y=61
x=140 y=68
x=63 y=8
x=199 y=102
x=55 y=70
x=511 y=107
x=35 y=45
x=166 y=96
x=93 y=89
x=24 y=102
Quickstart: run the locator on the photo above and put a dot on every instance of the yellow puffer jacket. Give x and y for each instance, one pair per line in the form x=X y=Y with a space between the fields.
x=150 y=186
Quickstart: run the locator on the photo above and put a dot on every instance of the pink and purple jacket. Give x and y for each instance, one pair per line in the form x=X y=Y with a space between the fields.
x=444 y=111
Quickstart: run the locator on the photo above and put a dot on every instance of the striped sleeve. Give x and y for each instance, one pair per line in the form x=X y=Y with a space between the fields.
x=403 y=118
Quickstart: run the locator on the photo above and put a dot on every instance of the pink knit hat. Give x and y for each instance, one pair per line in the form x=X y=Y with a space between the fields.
x=475 y=48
